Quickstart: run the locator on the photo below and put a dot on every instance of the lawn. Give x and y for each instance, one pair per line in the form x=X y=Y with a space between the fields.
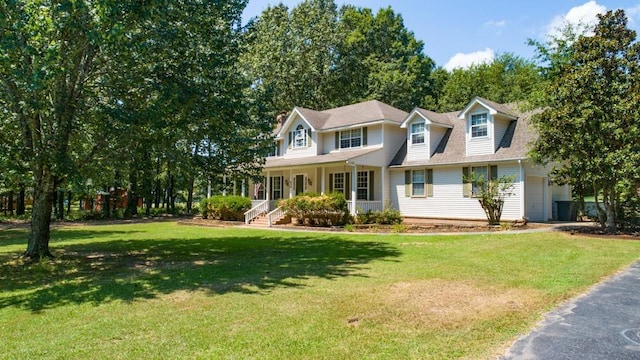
x=163 y=290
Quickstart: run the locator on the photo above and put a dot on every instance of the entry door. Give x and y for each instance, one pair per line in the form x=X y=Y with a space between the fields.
x=535 y=198
x=299 y=184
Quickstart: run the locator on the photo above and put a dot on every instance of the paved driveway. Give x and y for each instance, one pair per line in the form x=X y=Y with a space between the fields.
x=601 y=324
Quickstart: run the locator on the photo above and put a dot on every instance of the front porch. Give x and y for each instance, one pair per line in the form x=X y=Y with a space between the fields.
x=361 y=185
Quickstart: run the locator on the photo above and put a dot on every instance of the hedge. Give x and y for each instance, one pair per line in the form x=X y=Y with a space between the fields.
x=318 y=210
x=229 y=208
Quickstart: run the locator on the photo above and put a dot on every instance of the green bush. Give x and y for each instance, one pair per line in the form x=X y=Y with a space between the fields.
x=228 y=208
x=385 y=217
x=318 y=210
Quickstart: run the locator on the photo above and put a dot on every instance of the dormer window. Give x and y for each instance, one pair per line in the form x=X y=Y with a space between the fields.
x=479 y=125
x=299 y=137
x=417 y=133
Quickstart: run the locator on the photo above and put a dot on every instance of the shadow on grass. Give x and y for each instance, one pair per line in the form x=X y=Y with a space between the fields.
x=20 y=236
x=141 y=269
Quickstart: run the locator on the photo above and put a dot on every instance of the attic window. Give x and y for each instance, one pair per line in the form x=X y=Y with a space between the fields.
x=351 y=138
x=300 y=137
x=417 y=133
x=479 y=125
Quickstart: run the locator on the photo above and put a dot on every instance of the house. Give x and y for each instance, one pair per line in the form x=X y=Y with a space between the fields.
x=416 y=162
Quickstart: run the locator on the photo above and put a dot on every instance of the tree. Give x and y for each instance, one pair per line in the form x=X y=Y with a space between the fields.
x=589 y=120
x=491 y=194
x=508 y=78
x=319 y=57
x=60 y=79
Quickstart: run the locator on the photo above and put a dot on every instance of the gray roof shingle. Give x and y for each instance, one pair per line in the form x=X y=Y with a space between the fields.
x=452 y=147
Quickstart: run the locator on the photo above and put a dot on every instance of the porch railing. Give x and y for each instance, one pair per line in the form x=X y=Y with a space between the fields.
x=364 y=206
x=256 y=211
x=275 y=215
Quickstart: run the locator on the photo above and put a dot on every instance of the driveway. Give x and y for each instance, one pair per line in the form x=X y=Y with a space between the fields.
x=604 y=323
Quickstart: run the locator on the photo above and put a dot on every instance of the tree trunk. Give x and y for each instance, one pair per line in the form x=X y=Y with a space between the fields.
x=10 y=204
x=38 y=244
x=132 y=195
x=21 y=208
x=610 y=226
x=60 y=207
x=69 y=197
x=190 y=194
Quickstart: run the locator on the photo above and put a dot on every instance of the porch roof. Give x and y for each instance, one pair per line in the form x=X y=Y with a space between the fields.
x=338 y=156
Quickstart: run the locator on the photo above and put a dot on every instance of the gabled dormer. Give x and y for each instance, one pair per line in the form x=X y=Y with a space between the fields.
x=298 y=135
x=485 y=125
x=425 y=129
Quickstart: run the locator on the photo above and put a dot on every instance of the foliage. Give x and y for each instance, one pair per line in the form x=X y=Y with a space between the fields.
x=385 y=217
x=508 y=78
x=589 y=122
x=229 y=208
x=318 y=210
x=491 y=194
x=319 y=57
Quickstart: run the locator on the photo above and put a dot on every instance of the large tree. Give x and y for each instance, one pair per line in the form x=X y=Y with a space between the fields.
x=591 y=106
x=319 y=57
x=508 y=78
x=68 y=66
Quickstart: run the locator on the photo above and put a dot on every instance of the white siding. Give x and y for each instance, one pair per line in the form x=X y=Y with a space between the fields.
x=484 y=145
x=435 y=136
x=535 y=198
x=374 y=138
x=417 y=152
x=500 y=126
x=448 y=200
x=290 y=152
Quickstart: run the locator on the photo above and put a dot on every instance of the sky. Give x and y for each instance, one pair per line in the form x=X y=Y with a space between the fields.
x=458 y=33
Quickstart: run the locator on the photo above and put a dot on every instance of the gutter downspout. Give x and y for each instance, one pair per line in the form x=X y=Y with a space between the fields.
x=522 y=190
x=354 y=173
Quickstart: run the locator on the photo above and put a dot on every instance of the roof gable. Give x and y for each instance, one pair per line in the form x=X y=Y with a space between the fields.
x=493 y=107
x=314 y=119
x=429 y=116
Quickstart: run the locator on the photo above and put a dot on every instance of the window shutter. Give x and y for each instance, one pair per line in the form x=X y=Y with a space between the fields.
x=337 y=140
x=290 y=138
x=364 y=136
x=309 y=137
x=493 y=172
x=371 y=190
x=466 y=184
x=407 y=183
x=330 y=183
x=347 y=186
x=429 y=179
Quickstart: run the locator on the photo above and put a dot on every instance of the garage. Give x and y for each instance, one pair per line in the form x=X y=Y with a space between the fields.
x=534 y=198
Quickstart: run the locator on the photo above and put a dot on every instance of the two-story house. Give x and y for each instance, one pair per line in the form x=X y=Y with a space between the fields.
x=380 y=157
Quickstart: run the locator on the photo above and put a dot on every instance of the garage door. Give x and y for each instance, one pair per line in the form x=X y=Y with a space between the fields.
x=534 y=198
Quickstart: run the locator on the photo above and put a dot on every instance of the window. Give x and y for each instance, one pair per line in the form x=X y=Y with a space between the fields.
x=338 y=182
x=417 y=183
x=417 y=133
x=350 y=138
x=275 y=150
x=299 y=137
x=276 y=187
x=479 y=125
x=362 y=185
x=488 y=173
x=482 y=173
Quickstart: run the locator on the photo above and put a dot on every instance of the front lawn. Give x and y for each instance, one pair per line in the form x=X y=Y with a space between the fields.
x=162 y=290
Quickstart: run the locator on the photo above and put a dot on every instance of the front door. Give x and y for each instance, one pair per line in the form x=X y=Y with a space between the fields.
x=299 y=184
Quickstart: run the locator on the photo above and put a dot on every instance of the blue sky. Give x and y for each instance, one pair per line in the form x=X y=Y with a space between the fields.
x=457 y=33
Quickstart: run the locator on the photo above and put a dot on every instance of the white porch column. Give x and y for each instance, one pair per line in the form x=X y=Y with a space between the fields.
x=267 y=187
x=224 y=185
x=354 y=173
x=322 y=181
x=383 y=198
x=522 y=190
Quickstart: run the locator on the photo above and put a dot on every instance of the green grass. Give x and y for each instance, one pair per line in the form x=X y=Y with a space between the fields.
x=161 y=290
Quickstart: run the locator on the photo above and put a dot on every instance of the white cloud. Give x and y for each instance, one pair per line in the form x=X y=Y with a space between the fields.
x=583 y=17
x=464 y=61
x=633 y=13
x=494 y=23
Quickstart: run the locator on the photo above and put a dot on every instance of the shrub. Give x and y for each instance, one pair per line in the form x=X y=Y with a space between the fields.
x=229 y=208
x=385 y=217
x=318 y=210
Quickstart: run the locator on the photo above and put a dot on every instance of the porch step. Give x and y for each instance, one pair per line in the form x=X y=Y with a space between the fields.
x=263 y=221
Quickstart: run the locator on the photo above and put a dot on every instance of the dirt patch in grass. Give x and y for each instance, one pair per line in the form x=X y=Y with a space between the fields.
x=447 y=304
